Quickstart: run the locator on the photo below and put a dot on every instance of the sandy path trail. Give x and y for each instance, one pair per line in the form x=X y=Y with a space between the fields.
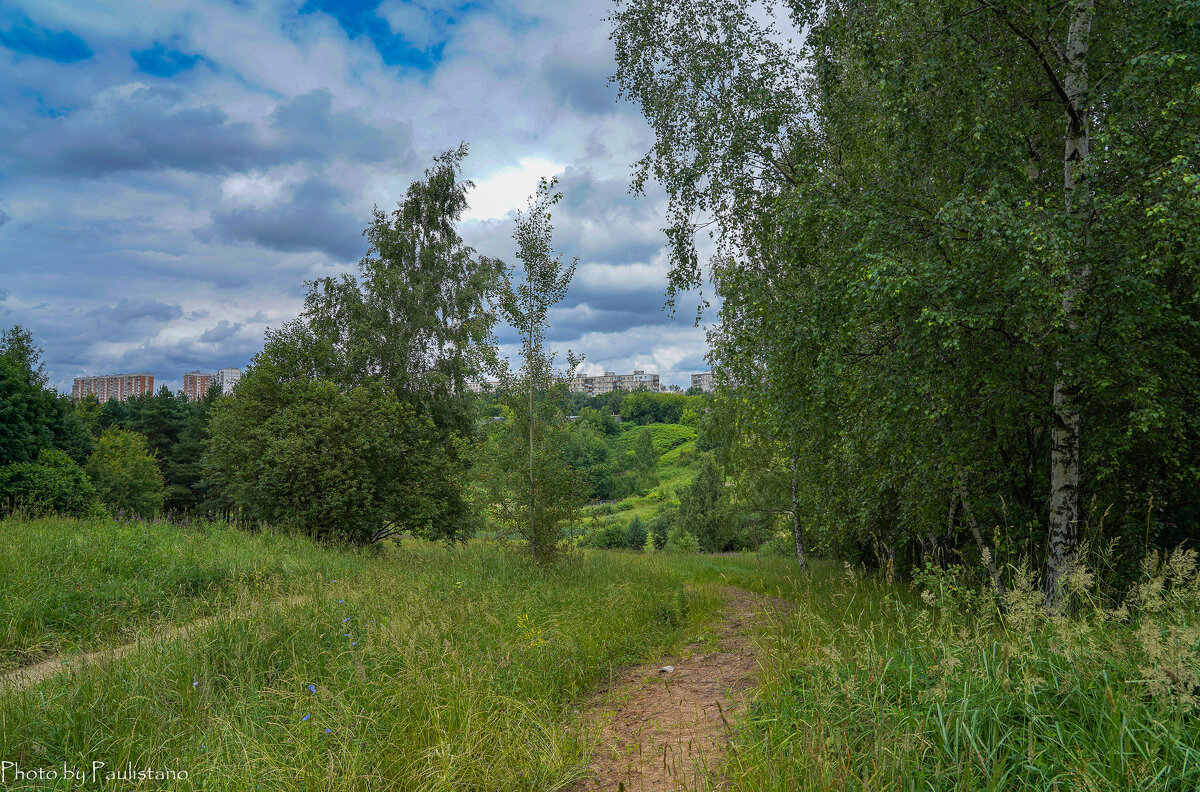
x=26 y=676
x=670 y=730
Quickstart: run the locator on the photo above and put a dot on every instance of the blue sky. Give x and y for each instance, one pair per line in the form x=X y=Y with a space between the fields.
x=172 y=172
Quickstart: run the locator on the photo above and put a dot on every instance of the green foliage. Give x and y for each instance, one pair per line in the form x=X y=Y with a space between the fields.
x=356 y=465
x=601 y=421
x=681 y=540
x=913 y=282
x=702 y=511
x=608 y=536
x=125 y=475
x=402 y=338
x=636 y=534
x=585 y=452
x=32 y=416
x=643 y=407
x=645 y=458
x=54 y=484
x=525 y=484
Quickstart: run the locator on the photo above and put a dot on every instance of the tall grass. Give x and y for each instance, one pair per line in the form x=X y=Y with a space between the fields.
x=72 y=584
x=865 y=686
x=431 y=669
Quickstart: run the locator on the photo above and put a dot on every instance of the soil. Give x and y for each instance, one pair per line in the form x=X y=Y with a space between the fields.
x=669 y=730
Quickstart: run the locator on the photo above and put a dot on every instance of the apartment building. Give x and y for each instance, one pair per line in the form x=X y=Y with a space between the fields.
x=196 y=384
x=703 y=381
x=106 y=387
x=227 y=378
x=610 y=381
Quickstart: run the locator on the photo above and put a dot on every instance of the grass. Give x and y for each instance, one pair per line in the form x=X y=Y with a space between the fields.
x=67 y=585
x=431 y=668
x=867 y=687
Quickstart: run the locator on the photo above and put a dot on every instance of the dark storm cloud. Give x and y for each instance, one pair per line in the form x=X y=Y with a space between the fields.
x=128 y=311
x=223 y=331
x=312 y=130
x=151 y=128
x=143 y=129
x=313 y=216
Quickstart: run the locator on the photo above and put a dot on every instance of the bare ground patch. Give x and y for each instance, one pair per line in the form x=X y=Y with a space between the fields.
x=663 y=730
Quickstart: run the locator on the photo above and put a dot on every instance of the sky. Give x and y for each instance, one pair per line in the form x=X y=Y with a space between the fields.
x=171 y=172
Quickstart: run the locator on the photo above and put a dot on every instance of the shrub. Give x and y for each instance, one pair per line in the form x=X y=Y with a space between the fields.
x=609 y=536
x=636 y=533
x=778 y=546
x=682 y=541
x=124 y=473
x=53 y=484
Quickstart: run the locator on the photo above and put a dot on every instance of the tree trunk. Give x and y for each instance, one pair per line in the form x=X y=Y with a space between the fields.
x=1065 y=435
x=796 y=524
x=532 y=495
x=984 y=551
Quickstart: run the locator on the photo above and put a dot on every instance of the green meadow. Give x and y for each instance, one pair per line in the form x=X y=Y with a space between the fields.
x=429 y=667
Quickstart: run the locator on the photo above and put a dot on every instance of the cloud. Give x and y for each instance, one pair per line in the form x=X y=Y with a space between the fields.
x=26 y=37
x=136 y=127
x=128 y=311
x=311 y=215
x=211 y=157
x=4 y=218
x=223 y=331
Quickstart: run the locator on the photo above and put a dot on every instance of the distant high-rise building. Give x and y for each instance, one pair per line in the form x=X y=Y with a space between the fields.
x=703 y=381
x=227 y=378
x=106 y=387
x=196 y=384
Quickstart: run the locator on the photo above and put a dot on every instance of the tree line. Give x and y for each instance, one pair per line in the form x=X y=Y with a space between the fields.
x=976 y=224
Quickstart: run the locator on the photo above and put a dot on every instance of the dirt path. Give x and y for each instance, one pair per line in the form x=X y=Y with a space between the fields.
x=29 y=675
x=670 y=730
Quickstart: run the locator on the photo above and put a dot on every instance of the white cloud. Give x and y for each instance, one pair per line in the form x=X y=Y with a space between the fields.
x=508 y=189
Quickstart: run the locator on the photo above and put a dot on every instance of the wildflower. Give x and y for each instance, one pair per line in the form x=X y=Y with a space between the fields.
x=335 y=580
x=195 y=684
x=305 y=718
x=312 y=688
x=354 y=643
x=345 y=620
x=328 y=731
x=341 y=602
x=345 y=635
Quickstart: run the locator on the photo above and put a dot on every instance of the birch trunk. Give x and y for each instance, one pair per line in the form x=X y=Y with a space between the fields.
x=1065 y=436
x=796 y=524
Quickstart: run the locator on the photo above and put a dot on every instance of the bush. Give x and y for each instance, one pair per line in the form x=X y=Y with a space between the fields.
x=778 y=546
x=661 y=525
x=609 y=536
x=53 y=484
x=354 y=465
x=681 y=541
x=124 y=473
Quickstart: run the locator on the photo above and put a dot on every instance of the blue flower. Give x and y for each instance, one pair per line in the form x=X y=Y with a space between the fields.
x=341 y=602
x=345 y=620
x=354 y=643
x=335 y=580
x=329 y=731
x=195 y=684
x=306 y=717
x=345 y=635
x=312 y=688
